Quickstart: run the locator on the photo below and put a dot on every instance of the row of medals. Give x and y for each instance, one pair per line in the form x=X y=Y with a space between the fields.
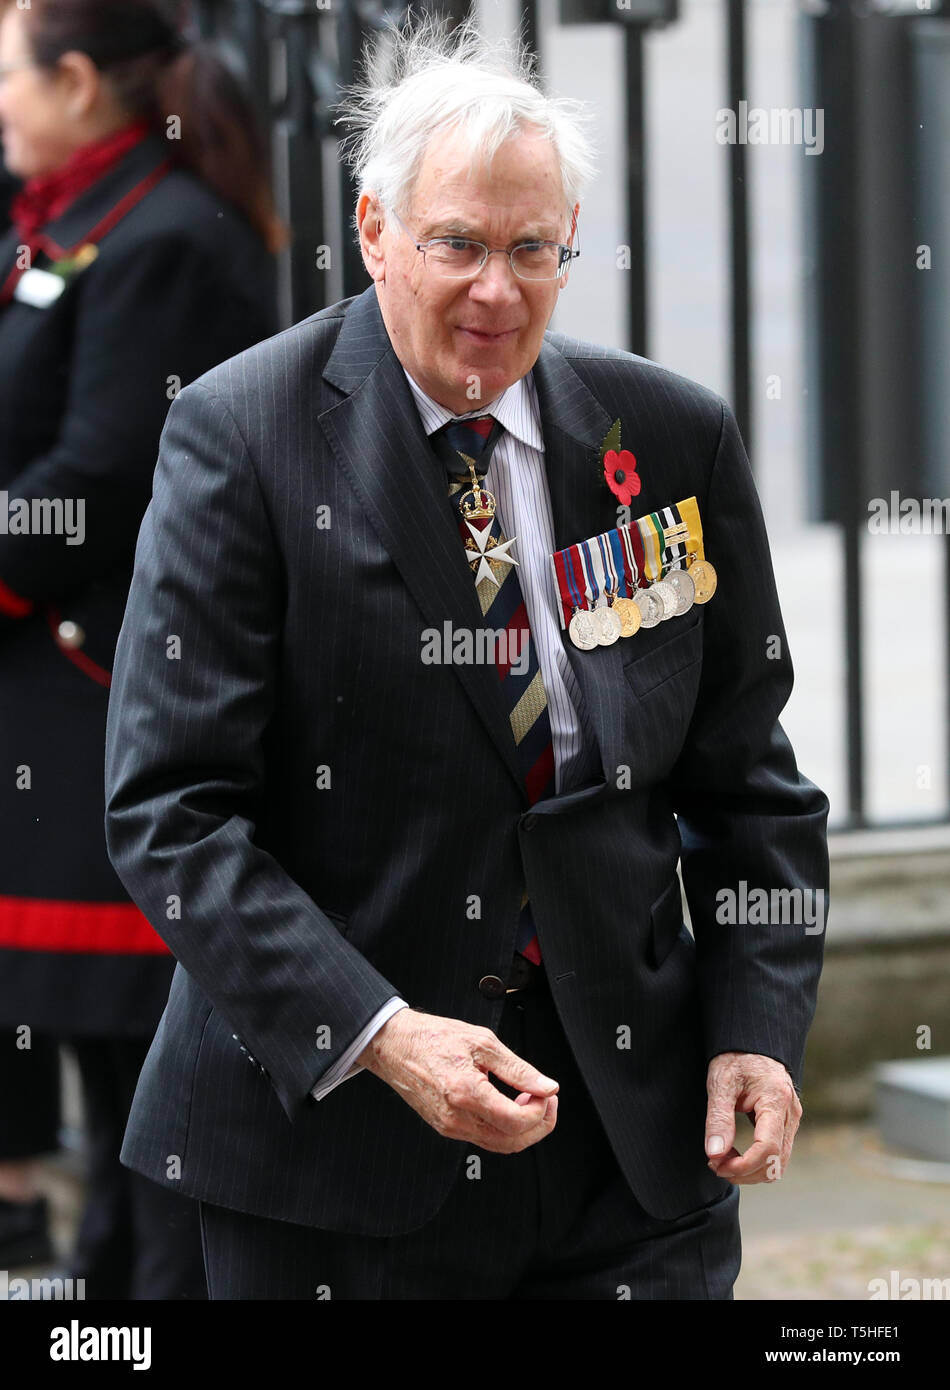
x=668 y=597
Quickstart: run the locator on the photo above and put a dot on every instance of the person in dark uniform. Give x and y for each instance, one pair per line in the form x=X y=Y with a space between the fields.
x=140 y=254
x=9 y=186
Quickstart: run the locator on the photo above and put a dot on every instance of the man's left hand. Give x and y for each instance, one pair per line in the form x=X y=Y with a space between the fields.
x=748 y=1082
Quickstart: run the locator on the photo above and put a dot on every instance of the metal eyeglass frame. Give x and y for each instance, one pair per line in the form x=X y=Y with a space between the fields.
x=569 y=253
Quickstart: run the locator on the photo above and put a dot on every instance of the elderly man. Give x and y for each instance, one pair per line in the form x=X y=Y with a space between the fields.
x=438 y=1028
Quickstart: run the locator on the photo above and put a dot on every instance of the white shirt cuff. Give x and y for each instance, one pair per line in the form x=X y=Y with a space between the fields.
x=346 y=1066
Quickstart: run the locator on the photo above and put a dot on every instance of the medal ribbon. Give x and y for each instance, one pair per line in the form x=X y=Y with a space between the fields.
x=592 y=587
x=598 y=564
x=651 y=534
x=617 y=566
x=629 y=558
x=675 y=548
x=688 y=511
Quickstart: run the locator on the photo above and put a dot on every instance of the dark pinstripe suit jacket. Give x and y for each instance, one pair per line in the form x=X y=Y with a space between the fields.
x=260 y=646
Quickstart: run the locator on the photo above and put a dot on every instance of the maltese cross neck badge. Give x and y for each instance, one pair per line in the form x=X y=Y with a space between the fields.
x=469 y=444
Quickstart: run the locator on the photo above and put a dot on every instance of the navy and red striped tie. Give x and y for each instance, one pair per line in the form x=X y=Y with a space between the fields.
x=460 y=443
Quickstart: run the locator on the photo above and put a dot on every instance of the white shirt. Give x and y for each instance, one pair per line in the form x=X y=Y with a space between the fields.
x=517 y=479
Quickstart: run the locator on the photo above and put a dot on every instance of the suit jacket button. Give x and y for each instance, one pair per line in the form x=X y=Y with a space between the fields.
x=492 y=986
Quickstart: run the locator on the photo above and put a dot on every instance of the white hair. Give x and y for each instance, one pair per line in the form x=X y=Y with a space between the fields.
x=428 y=78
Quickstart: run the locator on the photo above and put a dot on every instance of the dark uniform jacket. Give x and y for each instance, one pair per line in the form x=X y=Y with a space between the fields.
x=297 y=903
x=180 y=283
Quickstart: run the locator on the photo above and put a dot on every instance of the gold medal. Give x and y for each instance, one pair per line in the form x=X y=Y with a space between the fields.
x=704 y=578
x=629 y=615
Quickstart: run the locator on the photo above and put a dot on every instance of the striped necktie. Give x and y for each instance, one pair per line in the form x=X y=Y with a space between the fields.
x=459 y=444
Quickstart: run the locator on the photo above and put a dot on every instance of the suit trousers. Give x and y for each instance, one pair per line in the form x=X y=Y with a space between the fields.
x=556 y=1221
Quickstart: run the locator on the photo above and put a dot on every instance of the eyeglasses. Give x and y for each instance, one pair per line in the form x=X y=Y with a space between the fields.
x=7 y=68
x=460 y=258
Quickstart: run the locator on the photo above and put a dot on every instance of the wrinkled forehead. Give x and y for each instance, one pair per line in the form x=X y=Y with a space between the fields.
x=517 y=189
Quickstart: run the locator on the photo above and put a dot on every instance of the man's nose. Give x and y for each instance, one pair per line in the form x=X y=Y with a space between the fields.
x=497 y=279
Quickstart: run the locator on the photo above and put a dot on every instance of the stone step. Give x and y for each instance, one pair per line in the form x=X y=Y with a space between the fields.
x=912 y=1105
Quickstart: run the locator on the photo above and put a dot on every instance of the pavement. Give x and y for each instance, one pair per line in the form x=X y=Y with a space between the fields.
x=841 y=1217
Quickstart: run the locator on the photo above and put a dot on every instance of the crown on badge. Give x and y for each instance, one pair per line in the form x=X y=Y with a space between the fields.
x=477 y=504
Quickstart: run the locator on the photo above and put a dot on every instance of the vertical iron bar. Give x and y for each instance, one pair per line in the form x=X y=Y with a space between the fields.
x=635 y=182
x=740 y=308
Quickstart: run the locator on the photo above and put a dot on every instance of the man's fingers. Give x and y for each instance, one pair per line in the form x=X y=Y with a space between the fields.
x=716 y=1163
x=515 y=1143
x=492 y=1055
x=762 y=1088
x=765 y=1153
x=792 y=1121
x=444 y=1069
x=754 y=1161
x=477 y=1129
x=507 y=1116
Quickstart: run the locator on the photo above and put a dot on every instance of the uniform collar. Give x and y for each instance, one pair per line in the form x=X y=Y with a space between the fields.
x=45 y=198
x=73 y=227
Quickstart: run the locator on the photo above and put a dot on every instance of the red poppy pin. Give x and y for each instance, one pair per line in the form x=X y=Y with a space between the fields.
x=620 y=467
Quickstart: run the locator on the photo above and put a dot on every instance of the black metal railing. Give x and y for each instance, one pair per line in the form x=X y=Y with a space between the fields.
x=297 y=54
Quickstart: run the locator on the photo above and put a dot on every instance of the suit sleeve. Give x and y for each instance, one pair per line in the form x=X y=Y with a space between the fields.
x=156 y=314
x=746 y=814
x=193 y=692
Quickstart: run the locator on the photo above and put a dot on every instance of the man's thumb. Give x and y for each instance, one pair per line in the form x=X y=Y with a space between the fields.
x=720 y=1127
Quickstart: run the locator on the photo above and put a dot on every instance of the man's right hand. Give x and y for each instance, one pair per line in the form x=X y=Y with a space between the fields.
x=440 y=1067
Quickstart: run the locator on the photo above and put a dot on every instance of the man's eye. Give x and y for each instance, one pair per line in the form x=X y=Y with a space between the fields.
x=450 y=243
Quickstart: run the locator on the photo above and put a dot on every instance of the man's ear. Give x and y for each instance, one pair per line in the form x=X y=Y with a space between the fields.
x=370 y=219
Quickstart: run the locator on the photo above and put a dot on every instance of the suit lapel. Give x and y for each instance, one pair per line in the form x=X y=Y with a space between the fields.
x=574 y=424
x=377 y=436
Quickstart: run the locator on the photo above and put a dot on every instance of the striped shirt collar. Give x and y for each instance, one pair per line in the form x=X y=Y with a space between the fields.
x=516 y=408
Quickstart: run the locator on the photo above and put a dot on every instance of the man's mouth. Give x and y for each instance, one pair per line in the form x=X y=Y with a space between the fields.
x=479 y=336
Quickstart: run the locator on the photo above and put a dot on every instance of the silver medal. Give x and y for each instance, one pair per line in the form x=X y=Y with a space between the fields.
x=607 y=626
x=685 y=590
x=668 y=596
x=583 y=632
x=651 y=607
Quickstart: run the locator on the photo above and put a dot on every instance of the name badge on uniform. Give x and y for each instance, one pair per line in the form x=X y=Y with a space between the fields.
x=39 y=288
x=636 y=576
